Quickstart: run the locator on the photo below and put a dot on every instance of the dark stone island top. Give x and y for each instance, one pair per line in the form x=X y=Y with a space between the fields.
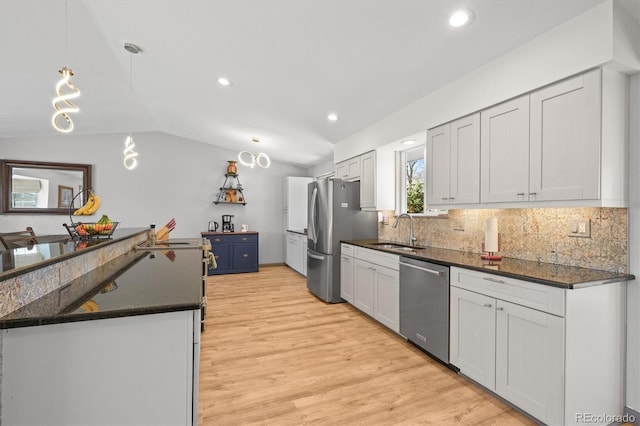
x=568 y=277
x=137 y=283
x=26 y=259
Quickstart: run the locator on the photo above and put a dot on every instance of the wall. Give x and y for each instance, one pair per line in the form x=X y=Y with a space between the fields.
x=175 y=178
x=322 y=169
x=531 y=234
x=633 y=288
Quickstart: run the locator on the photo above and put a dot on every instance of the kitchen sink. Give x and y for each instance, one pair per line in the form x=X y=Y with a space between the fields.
x=394 y=246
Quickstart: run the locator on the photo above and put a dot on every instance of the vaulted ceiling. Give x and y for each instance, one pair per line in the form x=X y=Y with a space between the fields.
x=291 y=62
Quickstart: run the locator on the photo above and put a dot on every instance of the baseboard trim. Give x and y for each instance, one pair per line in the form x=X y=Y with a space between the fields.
x=631 y=416
x=267 y=265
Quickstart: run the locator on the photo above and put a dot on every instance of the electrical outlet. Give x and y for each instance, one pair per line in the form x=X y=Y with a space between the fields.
x=579 y=228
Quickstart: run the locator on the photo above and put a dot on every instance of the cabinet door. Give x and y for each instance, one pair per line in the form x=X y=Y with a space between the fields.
x=368 y=180
x=363 y=288
x=303 y=254
x=347 y=278
x=438 y=165
x=505 y=152
x=530 y=360
x=565 y=139
x=353 y=168
x=387 y=297
x=245 y=257
x=464 y=186
x=222 y=252
x=341 y=170
x=290 y=246
x=473 y=335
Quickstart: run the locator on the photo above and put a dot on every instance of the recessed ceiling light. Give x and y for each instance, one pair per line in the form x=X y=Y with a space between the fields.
x=223 y=81
x=460 y=18
x=332 y=117
x=410 y=142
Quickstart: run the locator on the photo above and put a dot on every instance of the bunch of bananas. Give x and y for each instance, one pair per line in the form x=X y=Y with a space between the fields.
x=90 y=207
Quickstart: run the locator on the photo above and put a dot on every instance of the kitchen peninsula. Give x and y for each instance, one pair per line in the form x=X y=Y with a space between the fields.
x=111 y=344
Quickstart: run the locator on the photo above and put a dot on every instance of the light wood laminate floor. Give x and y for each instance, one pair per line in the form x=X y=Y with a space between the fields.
x=273 y=354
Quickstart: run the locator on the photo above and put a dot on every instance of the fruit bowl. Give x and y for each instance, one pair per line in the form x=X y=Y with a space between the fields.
x=90 y=230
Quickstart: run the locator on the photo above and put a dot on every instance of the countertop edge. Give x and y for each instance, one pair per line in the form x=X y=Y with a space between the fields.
x=613 y=278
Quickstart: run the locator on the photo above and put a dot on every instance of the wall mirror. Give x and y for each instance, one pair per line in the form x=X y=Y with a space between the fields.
x=43 y=188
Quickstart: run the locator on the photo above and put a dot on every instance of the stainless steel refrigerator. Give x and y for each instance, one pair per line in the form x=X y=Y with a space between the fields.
x=334 y=215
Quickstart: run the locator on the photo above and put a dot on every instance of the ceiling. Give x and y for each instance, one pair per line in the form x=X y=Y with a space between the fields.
x=291 y=62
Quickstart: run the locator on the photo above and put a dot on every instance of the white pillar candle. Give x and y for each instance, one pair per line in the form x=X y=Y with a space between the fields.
x=491 y=235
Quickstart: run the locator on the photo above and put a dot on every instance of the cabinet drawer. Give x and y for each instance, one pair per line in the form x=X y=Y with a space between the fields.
x=346 y=249
x=377 y=257
x=249 y=238
x=537 y=296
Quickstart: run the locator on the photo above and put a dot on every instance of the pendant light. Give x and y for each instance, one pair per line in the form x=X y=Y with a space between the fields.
x=66 y=91
x=130 y=160
x=250 y=160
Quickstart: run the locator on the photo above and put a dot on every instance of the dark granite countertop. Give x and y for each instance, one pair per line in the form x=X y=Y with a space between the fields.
x=137 y=283
x=26 y=259
x=568 y=277
x=298 y=231
x=205 y=233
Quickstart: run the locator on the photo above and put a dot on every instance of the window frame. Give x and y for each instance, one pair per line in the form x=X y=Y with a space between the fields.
x=401 y=184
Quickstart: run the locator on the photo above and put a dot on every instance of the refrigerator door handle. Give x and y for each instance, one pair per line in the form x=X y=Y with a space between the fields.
x=315 y=256
x=312 y=224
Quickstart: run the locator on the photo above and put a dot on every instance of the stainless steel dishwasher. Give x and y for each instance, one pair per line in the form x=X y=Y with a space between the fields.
x=424 y=306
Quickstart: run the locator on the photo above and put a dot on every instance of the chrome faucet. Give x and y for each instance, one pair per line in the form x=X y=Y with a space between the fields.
x=412 y=237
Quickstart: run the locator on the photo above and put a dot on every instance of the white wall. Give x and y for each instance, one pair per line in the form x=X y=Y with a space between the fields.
x=322 y=169
x=581 y=43
x=175 y=177
x=633 y=287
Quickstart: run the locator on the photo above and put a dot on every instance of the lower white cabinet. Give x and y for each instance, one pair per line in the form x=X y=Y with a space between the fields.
x=555 y=353
x=296 y=252
x=376 y=284
x=347 y=265
x=131 y=370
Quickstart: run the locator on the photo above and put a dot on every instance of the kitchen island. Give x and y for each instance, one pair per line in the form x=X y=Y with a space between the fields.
x=117 y=345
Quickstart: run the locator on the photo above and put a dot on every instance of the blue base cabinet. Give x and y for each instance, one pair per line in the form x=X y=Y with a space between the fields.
x=235 y=252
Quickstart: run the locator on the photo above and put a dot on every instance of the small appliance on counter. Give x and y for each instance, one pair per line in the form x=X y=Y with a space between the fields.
x=227 y=226
x=213 y=226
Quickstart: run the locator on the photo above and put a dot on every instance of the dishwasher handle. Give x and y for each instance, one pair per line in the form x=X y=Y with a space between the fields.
x=431 y=271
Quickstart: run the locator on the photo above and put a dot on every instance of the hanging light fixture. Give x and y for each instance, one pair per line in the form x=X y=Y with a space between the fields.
x=130 y=160
x=62 y=103
x=250 y=160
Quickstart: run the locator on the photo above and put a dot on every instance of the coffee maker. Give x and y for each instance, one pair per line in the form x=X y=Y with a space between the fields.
x=227 y=226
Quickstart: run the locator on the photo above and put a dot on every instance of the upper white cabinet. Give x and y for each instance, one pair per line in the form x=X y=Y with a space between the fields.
x=563 y=144
x=505 y=151
x=565 y=136
x=376 y=173
x=453 y=162
x=349 y=169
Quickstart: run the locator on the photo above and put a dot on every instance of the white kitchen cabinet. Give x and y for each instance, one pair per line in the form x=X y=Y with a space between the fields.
x=540 y=347
x=453 y=162
x=473 y=335
x=296 y=253
x=132 y=370
x=565 y=138
x=377 y=180
x=363 y=286
x=347 y=271
x=349 y=169
x=294 y=202
x=386 y=307
x=505 y=152
x=377 y=285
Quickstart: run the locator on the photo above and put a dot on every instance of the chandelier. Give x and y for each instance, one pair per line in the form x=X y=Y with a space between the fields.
x=249 y=159
x=66 y=91
x=130 y=160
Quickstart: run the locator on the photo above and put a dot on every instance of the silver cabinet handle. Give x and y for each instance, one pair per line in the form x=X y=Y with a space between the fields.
x=499 y=308
x=493 y=280
x=533 y=193
x=487 y=305
x=520 y=193
x=431 y=271
x=445 y=198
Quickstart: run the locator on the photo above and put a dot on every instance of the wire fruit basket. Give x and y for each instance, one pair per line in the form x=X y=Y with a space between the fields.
x=82 y=231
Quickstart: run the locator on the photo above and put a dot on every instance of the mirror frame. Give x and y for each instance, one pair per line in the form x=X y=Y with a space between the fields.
x=7 y=167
